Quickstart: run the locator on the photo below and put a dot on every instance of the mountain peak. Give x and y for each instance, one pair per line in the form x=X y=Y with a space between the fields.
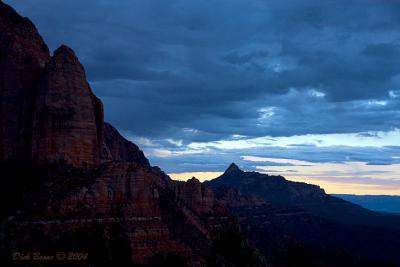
x=68 y=118
x=233 y=168
x=65 y=54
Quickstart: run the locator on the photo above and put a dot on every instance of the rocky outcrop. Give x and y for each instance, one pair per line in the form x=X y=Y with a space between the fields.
x=127 y=193
x=68 y=119
x=137 y=199
x=47 y=110
x=117 y=149
x=23 y=55
x=195 y=195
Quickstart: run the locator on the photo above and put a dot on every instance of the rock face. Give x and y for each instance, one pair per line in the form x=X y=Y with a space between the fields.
x=117 y=149
x=68 y=119
x=143 y=201
x=196 y=196
x=84 y=174
x=23 y=55
x=47 y=110
x=128 y=193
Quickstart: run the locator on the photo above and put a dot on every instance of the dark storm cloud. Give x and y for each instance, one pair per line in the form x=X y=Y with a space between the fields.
x=235 y=58
x=205 y=70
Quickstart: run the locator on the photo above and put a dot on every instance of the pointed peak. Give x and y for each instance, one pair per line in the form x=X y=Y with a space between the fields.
x=233 y=168
x=65 y=54
x=64 y=49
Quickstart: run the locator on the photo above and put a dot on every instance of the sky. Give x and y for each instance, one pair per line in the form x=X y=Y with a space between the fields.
x=305 y=89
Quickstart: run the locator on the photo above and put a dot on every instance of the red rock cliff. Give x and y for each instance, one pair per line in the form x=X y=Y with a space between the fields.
x=23 y=54
x=196 y=196
x=48 y=113
x=117 y=149
x=47 y=110
x=68 y=119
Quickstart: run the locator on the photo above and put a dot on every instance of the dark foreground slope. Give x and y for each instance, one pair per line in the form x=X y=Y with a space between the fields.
x=298 y=222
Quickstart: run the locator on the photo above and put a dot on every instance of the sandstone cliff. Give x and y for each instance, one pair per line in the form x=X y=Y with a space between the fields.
x=117 y=149
x=47 y=110
x=195 y=195
x=78 y=173
x=68 y=118
x=23 y=55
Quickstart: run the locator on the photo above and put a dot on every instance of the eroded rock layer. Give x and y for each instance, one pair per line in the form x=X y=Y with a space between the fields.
x=68 y=118
x=23 y=55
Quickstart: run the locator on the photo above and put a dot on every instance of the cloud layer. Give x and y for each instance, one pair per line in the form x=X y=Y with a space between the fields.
x=177 y=73
x=249 y=68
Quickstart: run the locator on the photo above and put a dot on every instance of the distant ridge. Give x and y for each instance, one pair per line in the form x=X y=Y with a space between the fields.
x=380 y=203
x=311 y=198
x=280 y=213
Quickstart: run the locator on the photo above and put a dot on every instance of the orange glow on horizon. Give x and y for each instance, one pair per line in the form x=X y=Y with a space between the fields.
x=330 y=187
x=202 y=176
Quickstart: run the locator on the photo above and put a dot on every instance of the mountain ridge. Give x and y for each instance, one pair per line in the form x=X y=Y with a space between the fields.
x=288 y=213
x=279 y=191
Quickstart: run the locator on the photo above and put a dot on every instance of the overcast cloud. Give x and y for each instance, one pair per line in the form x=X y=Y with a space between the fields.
x=179 y=71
